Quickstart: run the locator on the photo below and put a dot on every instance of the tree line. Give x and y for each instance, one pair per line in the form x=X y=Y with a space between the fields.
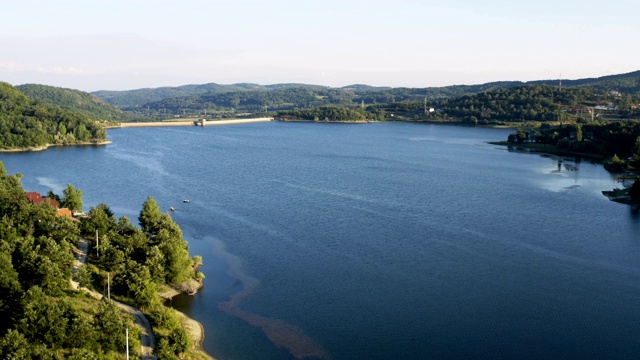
x=44 y=318
x=29 y=123
x=77 y=101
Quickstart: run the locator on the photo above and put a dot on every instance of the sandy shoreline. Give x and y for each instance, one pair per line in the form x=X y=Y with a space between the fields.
x=195 y=331
x=45 y=147
x=191 y=123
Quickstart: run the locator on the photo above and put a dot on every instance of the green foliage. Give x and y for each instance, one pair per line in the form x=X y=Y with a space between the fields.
x=42 y=318
x=617 y=140
x=98 y=219
x=78 y=102
x=525 y=103
x=43 y=262
x=172 y=339
x=109 y=325
x=150 y=216
x=615 y=164
x=177 y=266
x=14 y=346
x=83 y=276
x=155 y=263
x=72 y=198
x=28 y=123
x=325 y=113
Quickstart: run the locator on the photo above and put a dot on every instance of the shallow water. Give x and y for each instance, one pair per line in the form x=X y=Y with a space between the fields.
x=387 y=241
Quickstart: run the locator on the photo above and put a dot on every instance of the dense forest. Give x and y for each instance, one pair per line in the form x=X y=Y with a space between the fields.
x=490 y=103
x=252 y=100
x=628 y=83
x=79 y=102
x=325 y=113
x=43 y=318
x=541 y=103
x=29 y=123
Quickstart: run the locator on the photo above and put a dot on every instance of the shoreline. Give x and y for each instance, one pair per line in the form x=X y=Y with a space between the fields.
x=193 y=328
x=189 y=123
x=548 y=149
x=195 y=331
x=45 y=147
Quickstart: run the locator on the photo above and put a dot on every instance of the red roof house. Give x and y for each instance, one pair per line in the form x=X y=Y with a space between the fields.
x=36 y=198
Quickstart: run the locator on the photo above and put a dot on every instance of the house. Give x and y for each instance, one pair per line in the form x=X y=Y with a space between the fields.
x=36 y=198
x=65 y=212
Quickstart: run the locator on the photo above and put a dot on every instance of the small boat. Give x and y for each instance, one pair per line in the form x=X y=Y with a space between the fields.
x=173 y=209
x=186 y=201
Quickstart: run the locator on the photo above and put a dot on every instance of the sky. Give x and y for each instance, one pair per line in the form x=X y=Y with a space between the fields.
x=122 y=45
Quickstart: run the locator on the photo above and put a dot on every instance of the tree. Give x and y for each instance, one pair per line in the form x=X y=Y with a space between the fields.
x=522 y=136
x=52 y=195
x=109 y=324
x=177 y=265
x=579 y=132
x=155 y=263
x=150 y=216
x=83 y=276
x=72 y=198
x=98 y=219
x=43 y=320
x=14 y=346
x=9 y=288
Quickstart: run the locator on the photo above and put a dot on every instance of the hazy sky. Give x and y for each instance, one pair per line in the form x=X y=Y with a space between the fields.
x=119 y=45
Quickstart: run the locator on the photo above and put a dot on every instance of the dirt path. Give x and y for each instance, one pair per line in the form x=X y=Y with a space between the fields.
x=147 y=340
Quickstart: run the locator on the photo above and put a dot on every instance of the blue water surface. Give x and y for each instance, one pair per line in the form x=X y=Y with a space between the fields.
x=377 y=241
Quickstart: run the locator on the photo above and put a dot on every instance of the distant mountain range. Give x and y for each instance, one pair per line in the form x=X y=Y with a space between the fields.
x=246 y=99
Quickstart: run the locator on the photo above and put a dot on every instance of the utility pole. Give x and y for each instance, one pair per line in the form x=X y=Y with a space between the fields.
x=109 y=285
x=97 y=244
x=127 y=335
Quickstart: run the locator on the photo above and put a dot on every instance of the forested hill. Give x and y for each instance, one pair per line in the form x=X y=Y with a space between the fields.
x=77 y=101
x=138 y=98
x=28 y=123
x=258 y=100
x=539 y=103
x=233 y=96
x=628 y=83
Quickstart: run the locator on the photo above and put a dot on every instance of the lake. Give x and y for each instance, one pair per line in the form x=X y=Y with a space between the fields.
x=377 y=241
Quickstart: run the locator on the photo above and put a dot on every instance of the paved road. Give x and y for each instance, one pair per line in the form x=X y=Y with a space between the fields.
x=147 y=339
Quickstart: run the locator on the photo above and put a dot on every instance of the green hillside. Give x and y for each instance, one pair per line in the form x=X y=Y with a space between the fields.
x=134 y=99
x=77 y=101
x=28 y=123
x=628 y=83
x=254 y=100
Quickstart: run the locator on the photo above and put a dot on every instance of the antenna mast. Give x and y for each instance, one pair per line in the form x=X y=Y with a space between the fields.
x=560 y=81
